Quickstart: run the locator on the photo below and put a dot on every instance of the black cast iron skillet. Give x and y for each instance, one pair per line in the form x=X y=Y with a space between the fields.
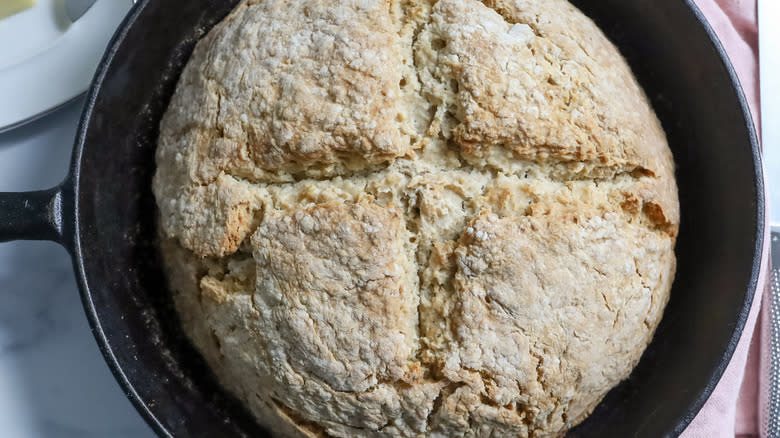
x=104 y=214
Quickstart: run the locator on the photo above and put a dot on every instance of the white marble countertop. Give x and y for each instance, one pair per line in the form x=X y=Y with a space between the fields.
x=53 y=380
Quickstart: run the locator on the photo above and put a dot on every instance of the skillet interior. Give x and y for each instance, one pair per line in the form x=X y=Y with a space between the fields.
x=124 y=290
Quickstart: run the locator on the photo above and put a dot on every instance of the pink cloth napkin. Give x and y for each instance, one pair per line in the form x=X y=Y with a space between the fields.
x=733 y=409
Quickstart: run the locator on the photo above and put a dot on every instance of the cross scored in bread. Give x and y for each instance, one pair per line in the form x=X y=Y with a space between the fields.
x=405 y=218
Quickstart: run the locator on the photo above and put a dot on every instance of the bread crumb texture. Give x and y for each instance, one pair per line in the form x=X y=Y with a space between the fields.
x=388 y=218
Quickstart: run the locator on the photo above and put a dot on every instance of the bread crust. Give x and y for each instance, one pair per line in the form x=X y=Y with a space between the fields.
x=415 y=218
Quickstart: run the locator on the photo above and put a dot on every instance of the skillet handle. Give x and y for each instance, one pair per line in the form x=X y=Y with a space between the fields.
x=31 y=215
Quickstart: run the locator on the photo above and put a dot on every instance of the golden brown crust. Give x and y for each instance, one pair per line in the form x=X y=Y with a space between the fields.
x=439 y=218
x=545 y=314
x=346 y=263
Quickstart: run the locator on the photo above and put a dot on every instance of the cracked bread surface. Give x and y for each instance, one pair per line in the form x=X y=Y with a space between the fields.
x=415 y=218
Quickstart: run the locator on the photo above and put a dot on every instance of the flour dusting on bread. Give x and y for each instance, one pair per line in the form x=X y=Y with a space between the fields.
x=398 y=218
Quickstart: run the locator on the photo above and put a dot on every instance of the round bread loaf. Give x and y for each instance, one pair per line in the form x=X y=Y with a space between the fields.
x=415 y=218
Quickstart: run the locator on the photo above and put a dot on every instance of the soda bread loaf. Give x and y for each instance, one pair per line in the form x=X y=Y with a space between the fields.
x=387 y=218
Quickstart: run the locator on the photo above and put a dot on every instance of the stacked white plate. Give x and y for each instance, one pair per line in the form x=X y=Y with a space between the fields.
x=46 y=61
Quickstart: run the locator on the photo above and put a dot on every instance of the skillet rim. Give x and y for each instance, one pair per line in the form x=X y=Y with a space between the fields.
x=759 y=223
x=71 y=187
x=73 y=180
